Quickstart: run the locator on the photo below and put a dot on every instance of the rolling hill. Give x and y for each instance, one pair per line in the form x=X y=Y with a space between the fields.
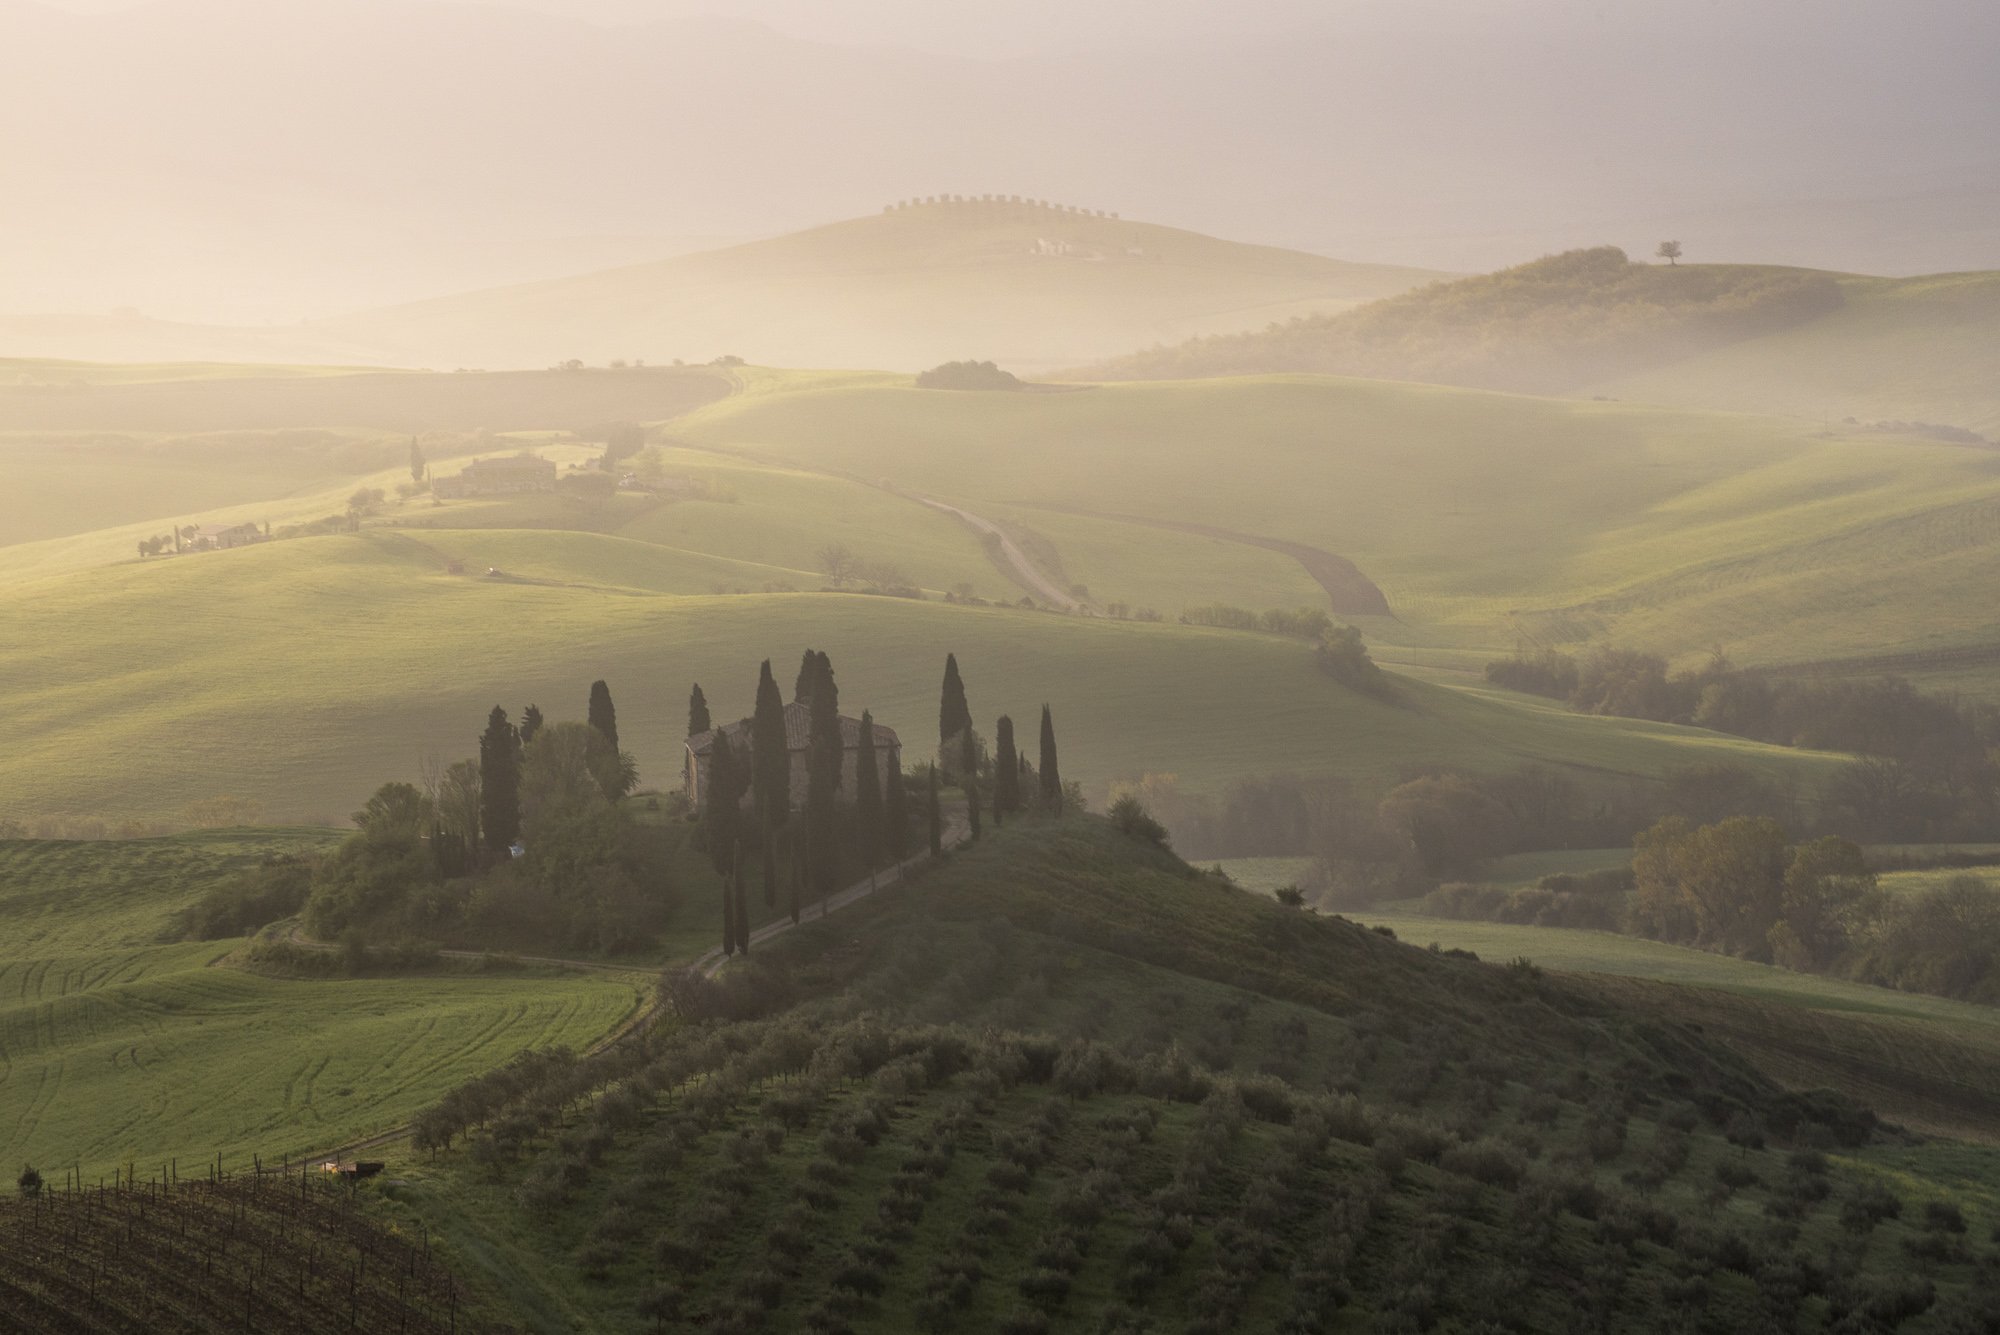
x=1590 y=323
x=1031 y=284
x=1486 y=519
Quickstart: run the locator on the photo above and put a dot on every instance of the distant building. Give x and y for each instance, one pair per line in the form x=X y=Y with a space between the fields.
x=220 y=537
x=504 y=476
x=798 y=741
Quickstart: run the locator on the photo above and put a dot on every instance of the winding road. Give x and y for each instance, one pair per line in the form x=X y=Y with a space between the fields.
x=1025 y=572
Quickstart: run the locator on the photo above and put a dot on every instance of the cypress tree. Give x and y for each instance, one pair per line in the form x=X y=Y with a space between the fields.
x=742 y=912
x=937 y=817
x=954 y=715
x=969 y=779
x=1006 y=771
x=803 y=683
x=531 y=723
x=719 y=826
x=895 y=808
x=1052 y=792
x=771 y=759
x=698 y=712
x=417 y=461
x=824 y=757
x=868 y=798
x=499 y=781
x=602 y=716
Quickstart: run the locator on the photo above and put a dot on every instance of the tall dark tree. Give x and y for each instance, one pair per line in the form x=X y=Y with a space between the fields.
x=954 y=715
x=720 y=830
x=936 y=815
x=531 y=723
x=499 y=781
x=825 y=757
x=895 y=807
x=968 y=766
x=803 y=683
x=742 y=900
x=868 y=798
x=697 y=712
x=417 y=462
x=1052 y=790
x=1006 y=771
x=603 y=716
x=771 y=758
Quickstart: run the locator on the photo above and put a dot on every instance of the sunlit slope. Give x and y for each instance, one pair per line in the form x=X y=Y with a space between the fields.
x=1901 y=349
x=114 y=1046
x=304 y=673
x=1030 y=285
x=1484 y=517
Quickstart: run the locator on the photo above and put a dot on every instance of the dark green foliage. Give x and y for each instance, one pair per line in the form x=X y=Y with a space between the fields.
x=1133 y=822
x=1342 y=656
x=499 y=782
x=968 y=778
x=825 y=759
x=954 y=714
x=721 y=829
x=395 y=808
x=869 y=835
x=1006 y=771
x=698 y=721
x=895 y=808
x=1051 y=776
x=935 y=814
x=603 y=716
x=367 y=882
x=29 y=1182
x=531 y=723
x=247 y=901
x=967 y=375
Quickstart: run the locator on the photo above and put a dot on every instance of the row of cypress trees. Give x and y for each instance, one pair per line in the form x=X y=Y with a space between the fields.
x=1012 y=775
x=500 y=753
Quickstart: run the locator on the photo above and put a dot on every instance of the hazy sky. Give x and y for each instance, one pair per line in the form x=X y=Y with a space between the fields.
x=278 y=159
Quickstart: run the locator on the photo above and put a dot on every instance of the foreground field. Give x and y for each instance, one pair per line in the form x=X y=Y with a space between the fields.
x=116 y=1047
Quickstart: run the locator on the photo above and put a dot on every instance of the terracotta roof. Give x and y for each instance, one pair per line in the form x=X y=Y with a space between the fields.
x=798 y=732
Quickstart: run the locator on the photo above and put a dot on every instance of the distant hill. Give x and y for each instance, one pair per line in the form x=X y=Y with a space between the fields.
x=1029 y=284
x=1898 y=349
x=1915 y=353
x=1543 y=327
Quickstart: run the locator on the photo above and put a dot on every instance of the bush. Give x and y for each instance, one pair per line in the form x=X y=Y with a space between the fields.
x=968 y=375
x=1134 y=822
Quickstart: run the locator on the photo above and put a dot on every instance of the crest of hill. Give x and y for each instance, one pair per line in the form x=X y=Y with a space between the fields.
x=1548 y=326
x=1031 y=284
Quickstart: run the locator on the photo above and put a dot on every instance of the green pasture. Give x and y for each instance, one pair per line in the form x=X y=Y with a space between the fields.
x=116 y=1046
x=1901 y=349
x=1494 y=517
x=305 y=673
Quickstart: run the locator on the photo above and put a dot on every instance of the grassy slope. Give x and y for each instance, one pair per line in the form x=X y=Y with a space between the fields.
x=1041 y=932
x=1902 y=349
x=907 y=290
x=115 y=1046
x=306 y=672
x=1484 y=517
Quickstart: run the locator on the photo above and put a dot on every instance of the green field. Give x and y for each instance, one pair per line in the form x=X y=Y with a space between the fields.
x=116 y=1047
x=304 y=673
x=1901 y=349
x=1485 y=518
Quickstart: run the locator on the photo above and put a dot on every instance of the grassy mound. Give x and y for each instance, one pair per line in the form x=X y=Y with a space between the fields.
x=1064 y=1083
x=1543 y=327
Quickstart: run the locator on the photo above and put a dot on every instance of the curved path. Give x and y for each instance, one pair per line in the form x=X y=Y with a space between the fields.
x=1349 y=592
x=1024 y=571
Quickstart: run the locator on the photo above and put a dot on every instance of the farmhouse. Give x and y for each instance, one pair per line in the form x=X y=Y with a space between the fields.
x=798 y=729
x=221 y=537
x=503 y=476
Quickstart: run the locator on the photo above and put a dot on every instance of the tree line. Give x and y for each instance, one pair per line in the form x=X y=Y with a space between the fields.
x=747 y=810
x=1930 y=767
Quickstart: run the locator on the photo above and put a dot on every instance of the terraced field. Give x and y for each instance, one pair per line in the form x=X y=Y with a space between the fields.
x=117 y=1047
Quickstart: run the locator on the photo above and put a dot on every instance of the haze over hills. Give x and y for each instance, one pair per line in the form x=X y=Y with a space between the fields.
x=1753 y=338
x=298 y=160
x=1030 y=283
